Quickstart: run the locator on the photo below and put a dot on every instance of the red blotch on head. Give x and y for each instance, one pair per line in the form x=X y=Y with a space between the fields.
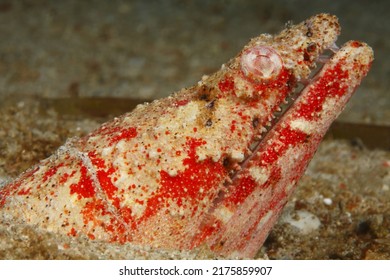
x=52 y=171
x=287 y=138
x=72 y=232
x=85 y=187
x=181 y=103
x=126 y=134
x=226 y=85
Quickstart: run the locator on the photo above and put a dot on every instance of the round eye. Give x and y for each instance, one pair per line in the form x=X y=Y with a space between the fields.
x=261 y=63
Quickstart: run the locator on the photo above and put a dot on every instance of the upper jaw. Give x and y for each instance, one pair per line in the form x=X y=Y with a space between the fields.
x=302 y=45
x=267 y=71
x=298 y=46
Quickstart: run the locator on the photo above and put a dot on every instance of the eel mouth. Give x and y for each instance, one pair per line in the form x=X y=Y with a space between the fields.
x=301 y=50
x=276 y=116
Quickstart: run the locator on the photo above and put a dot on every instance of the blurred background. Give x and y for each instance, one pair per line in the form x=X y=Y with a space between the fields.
x=148 y=49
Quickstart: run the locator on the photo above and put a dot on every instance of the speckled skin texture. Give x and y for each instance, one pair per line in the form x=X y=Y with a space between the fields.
x=188 y=170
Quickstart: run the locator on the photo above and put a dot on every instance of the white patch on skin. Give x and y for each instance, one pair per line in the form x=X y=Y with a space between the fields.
x=289 y=160
x=122 y=178
x=121 y=146
x=217 y=157
x=137 y=209
x=259 y=174
x=264 y=220
x=172 y=172
x=106 y=152
x=189 y=113
x=237 y=155
x=153 y=154
x=329 y=106
x=120 y=163
x=242 y=87
x=201 y=156
x=184 y=116
x=303 y=125
x=223 y=214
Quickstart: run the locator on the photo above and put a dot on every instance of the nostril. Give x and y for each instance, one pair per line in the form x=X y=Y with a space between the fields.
x=261 y=63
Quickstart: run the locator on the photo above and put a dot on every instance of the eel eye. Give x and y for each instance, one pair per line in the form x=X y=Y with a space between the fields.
x=261 y=63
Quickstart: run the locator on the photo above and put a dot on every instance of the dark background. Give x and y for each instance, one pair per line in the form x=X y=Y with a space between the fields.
x=149 y=49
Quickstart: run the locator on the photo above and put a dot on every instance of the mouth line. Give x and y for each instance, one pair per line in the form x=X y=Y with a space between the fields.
x=277 y=114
